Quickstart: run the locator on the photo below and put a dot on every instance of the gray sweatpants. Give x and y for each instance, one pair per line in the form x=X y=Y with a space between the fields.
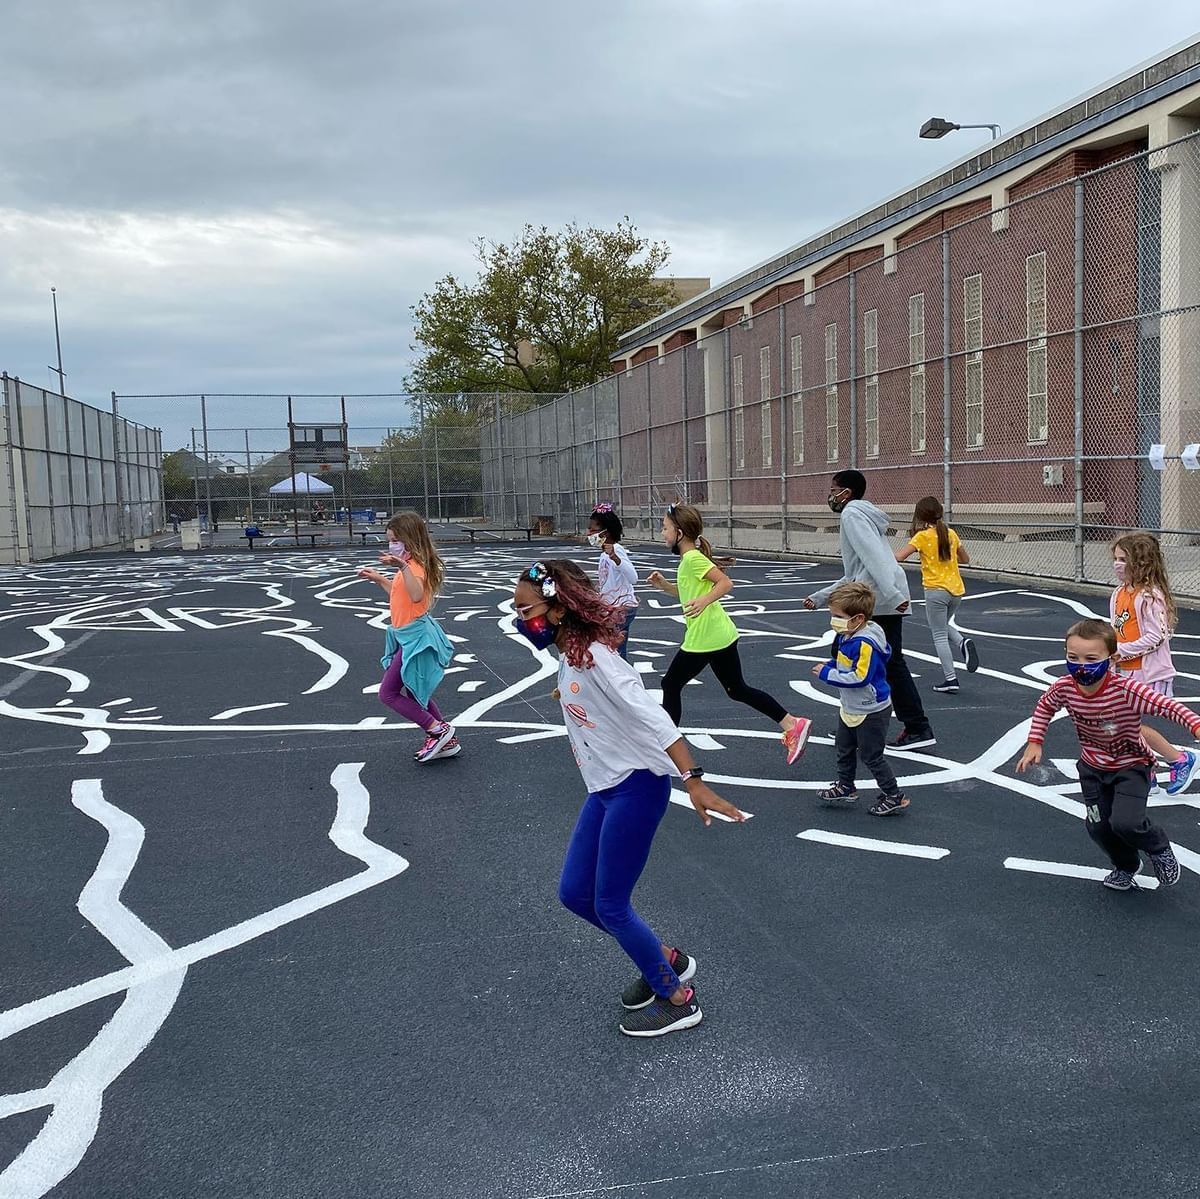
x=940 y=605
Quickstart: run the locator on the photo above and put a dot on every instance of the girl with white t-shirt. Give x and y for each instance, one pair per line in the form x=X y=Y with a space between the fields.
x=616 y=571
x=628 y=750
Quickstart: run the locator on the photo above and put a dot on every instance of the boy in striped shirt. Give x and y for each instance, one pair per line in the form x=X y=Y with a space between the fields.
x=1115 y=763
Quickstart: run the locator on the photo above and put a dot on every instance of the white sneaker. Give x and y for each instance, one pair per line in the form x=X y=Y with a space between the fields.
x=435 y=742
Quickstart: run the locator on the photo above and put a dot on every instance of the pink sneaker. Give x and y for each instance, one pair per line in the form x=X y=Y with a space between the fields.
x=436 y=742
x=795 y=740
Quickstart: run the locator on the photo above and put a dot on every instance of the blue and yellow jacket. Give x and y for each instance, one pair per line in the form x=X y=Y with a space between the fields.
x=858 y=669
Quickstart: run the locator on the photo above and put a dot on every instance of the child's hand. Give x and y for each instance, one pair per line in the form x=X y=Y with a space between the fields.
x=655 y=579
x=1031 y=757
x=820 y=666
x=695 y=606
x=705 y=800
x=369 y=572
x=810 y=604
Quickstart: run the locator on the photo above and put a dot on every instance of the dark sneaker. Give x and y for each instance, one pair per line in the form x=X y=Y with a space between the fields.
x=1182 y=770
x=910 y=740
x=662 y=1016
x=949 y=687
x=970 y=655
x=838 y=795
x=1166 y=867
x=889 y=805
x=1121 y=880
x=436 y=742
x=640 y=993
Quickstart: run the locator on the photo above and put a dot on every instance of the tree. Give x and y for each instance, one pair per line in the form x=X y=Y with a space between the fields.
x=177 y=483
x=545 y=313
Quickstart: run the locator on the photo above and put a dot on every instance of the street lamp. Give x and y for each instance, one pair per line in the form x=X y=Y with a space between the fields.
x=62 y=387
x=937 y=127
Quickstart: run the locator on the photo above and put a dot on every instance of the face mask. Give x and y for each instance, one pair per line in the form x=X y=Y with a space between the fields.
x=1087 y=673
x=539 y=631
x=595 y=540
x=839 y=624
x=397 y=548
x=1119 y=568
x=675 y=544
x=837 y=505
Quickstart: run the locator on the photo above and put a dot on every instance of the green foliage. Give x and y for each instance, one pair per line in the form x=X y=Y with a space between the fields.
x=568 y=294
x=176 y=480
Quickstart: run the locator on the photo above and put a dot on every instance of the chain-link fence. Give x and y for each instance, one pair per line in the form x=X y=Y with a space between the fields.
x=1020 y=363
x=72 y=477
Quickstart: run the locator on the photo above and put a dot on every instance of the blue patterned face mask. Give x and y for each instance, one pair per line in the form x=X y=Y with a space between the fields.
x=539 y=631
x=1087 y=673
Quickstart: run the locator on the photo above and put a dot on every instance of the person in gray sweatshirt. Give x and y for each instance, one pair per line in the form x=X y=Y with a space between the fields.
x=868 y=558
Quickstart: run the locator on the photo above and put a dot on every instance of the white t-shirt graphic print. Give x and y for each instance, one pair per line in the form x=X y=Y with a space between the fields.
x=613 y=725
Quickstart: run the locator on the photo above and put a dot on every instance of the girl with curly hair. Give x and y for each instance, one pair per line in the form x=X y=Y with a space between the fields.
x=627 y=750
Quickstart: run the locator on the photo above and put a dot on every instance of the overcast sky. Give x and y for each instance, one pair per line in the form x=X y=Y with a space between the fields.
x=248 y=196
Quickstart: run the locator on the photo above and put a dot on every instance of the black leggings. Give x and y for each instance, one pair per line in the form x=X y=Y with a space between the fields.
x=727 y=666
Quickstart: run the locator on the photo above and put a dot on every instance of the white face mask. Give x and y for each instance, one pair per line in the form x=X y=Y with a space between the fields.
x=839 y=624
x=397 y=548
x=1118 y=568
x=596 y=540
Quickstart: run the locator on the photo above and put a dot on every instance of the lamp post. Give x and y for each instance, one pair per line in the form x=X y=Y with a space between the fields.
x=62 y=387
x=937 y=127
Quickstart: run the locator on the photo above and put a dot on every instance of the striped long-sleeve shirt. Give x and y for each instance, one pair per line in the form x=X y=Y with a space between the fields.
x=1109 y=720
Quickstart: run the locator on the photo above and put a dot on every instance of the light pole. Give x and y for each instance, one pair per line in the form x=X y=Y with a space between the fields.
x=62 y=386
x=937 y=127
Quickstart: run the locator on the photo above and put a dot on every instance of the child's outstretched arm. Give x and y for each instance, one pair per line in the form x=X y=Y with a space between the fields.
x=1049 y=703
x=1146 y=701
x=657 y=579
x=905 y=552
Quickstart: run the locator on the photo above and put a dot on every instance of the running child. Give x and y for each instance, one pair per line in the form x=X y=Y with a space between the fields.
x=628 y=751
x=941 y=552
x=858 y=669
x=1115 y=761
x=711 y=638
x=416 y=651
x=616 y=571
x=1142 y=610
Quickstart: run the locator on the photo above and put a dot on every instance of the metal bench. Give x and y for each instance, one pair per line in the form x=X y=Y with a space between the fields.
x=494 y=531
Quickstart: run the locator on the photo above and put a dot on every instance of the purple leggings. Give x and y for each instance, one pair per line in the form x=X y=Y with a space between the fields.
x=397 y=696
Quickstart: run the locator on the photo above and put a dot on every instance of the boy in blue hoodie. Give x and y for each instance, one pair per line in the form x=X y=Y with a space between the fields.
x=867 y=557
x=858 y=669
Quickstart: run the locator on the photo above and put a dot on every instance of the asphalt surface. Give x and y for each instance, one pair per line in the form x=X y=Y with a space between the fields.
x=875 y=1025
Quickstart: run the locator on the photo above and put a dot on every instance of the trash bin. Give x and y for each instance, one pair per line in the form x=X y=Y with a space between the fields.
x=543 y=526
x=189 y=534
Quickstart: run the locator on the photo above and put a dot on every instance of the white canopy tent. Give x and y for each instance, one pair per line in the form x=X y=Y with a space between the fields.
x=301 y=484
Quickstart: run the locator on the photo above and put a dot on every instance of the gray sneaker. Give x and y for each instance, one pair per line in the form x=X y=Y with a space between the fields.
x=1166 y=867
x=640 y=993
x=1120 y=880
x=662 y=1016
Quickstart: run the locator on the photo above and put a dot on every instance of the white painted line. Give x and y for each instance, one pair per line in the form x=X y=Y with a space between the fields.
x=703 y=741
x=464 y=658
x=113 y=703
x=464 y=616
x=1146 y=882
x=371 y=689
x=640 y=667
x=681 y=798
x=521 y=737
x=932 y=852
x=471 y=685
x=95 y=742
x=372 y=722
x=230 y=713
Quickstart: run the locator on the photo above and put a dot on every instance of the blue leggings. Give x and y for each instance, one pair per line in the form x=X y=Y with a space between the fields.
x=608 y=852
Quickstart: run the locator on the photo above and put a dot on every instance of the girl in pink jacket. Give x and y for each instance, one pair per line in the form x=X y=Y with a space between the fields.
x=1142 y=611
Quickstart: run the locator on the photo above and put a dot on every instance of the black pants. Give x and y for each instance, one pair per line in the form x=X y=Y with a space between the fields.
x=905 y=697
x=864 y=742
x=1116 y=814
x=727 y=666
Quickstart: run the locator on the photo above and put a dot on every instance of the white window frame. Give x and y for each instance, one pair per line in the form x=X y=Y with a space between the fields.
x=1037 y=387
x=797 y=351
x=973 y=360
x=831 y=393
x=870 y=365
x=916 y=373
x=739 y=414
x=764 y=395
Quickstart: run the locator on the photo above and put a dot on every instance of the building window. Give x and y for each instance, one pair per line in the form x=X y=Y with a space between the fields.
x=916 y=371
x=973 y=345
x=870 y=365
x=1035 y=333
x=831 y=394
x=764 y=395
x=739 y=415
x=797 y=401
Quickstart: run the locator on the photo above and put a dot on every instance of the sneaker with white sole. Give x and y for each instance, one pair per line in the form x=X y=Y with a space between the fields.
x=949 y=687
x=1166 y=867
x=795 y=740
x=662 y=1016
x=909 y=740
x=640 y=993
x=1120 y=880
x=435 y=742
x=451 y=749
x=970 y=655
x=1182 y=770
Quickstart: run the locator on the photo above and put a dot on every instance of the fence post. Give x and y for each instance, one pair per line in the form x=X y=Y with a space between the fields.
x=116 y=429
x=50 y=475
x=853 y=307
x=424 y=460
x=727 y=373
x=947 y=499
x=195 y=477
x=620 y=476
x=1078 y=346
x=498 y=475
x=649 y=447
x=784 y=366
x=249 y=481
x=596 y=442
x=9 y=408
x=687 y=448
x=212 y=516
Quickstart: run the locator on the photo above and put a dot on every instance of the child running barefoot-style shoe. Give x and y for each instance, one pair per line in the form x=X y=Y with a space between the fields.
x=949 y=687
x=889 y=805
x=838 y=795
x=662 y=1016
x=1182 y=770
x=1120 y=880
x=1166 y=867
x=795 y=740
x=439 y=737
x=640 y=993
x=970 y=655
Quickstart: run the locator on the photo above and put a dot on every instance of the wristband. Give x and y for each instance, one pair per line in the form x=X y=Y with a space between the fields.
x=694 y=773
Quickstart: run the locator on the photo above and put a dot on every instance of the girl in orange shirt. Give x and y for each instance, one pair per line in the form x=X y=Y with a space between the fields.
x=417 y=652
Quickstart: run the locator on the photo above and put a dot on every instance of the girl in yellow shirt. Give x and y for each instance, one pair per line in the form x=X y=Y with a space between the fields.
x=941 y=552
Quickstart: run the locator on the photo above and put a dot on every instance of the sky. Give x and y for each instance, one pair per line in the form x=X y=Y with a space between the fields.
x=248 y=195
